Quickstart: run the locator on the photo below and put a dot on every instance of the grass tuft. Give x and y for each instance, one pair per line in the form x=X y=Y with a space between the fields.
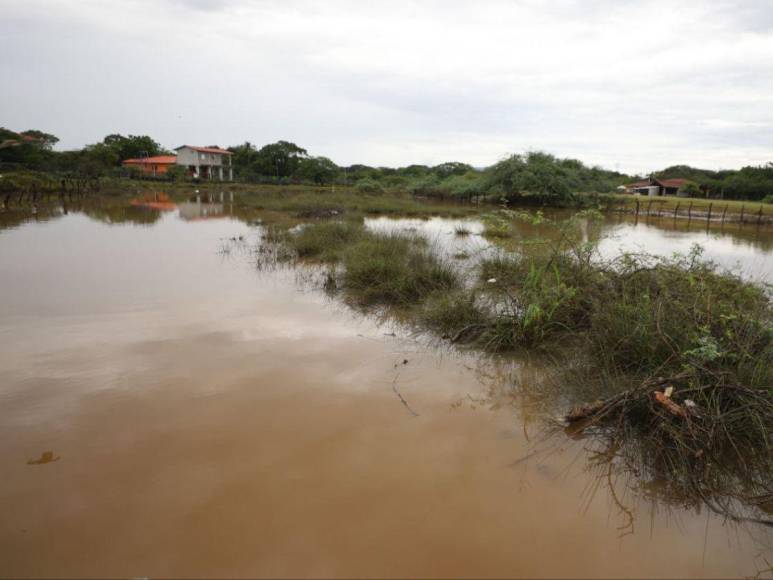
x=326 y=241
x=395 y=269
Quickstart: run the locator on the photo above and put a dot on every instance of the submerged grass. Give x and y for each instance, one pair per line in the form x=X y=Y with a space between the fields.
x=325 y=241
x=395 y=269
x=672 y=357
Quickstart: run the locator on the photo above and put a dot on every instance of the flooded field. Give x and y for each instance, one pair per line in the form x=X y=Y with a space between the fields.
x=169 y=409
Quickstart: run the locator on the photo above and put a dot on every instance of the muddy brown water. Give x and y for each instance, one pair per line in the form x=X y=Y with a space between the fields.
x=167 y=409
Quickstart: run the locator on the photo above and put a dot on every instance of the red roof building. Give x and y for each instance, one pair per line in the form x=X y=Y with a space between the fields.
x=153 y=166
x=211 y=163
x=653 y=186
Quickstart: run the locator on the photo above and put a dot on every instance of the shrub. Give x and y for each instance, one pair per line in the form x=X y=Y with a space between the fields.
x=368 y=185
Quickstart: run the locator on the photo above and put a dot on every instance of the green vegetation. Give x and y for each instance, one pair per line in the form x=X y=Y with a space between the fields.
x=306 y=202
x=378 y=268
x=532 y=178
x=368 y=185
x=394 y=269
x=325 y=241
x=666 y=362
x=750 y=183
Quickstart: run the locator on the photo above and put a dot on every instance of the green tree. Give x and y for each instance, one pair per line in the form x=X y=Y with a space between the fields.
x=451 y=168
x=320 y=170
x=280 y=159
x=132 y=147
x=45 y=140
x=535 y=173
x=30 y=149
x=691 y=189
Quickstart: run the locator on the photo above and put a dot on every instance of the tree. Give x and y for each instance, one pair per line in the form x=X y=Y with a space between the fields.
x=536 y=173
x=320 y=170
x=691 y=189
x=132 y=147
x=45 y=140
x=31 y=148
x=451 y=168
x=280 y=159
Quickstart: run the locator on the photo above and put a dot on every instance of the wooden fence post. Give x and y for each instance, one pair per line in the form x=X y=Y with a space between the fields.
x=676 y=209
x=708 y=216
x=724 y=211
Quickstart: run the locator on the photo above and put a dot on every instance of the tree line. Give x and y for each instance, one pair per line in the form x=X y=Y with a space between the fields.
x=534 y=176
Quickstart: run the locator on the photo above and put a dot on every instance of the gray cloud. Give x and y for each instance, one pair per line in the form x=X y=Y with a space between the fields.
x=633 y=84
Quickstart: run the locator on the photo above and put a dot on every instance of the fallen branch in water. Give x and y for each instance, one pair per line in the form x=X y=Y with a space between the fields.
x=700 y=431
x=402 y=399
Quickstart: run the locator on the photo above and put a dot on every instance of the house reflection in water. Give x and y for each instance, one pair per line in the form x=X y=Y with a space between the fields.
x=202 y=210
x=159 y=201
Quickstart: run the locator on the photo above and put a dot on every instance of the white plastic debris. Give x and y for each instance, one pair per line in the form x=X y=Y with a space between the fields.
x=492 y=280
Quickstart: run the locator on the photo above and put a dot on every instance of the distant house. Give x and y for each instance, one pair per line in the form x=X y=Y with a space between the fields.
x=206 y=162
x=653 y=186
x=152 y=166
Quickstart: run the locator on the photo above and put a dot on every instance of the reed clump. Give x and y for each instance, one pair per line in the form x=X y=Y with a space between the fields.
x=390 y=268
x=326 y=240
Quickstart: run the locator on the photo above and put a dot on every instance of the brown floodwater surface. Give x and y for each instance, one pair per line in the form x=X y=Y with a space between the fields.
x=167 y=409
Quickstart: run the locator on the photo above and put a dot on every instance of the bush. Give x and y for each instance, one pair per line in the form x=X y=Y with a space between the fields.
x=177 y=173
x=691 y=189
x=368 y=185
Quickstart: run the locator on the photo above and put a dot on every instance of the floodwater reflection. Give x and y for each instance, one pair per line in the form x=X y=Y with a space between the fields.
x=218 y=420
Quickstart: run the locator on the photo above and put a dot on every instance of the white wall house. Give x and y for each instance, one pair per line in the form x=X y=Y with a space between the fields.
x=211 y=163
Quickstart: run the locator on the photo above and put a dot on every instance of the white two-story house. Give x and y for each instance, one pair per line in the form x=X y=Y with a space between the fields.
x=211 y=163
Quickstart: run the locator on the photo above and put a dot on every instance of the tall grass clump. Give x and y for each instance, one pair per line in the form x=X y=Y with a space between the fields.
x=394 y=268
x=325 y=241
x=452 y=314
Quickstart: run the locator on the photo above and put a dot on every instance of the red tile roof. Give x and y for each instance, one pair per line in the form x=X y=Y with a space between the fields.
x=672 y=182
x=206 y=149
x=158 y=160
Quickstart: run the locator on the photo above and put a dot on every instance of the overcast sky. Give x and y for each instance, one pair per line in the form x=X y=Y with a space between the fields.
x=633 y=85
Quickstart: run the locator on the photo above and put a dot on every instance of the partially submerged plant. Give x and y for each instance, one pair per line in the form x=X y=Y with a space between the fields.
x=672 y=359
x=395 y=268
x=325 y=241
